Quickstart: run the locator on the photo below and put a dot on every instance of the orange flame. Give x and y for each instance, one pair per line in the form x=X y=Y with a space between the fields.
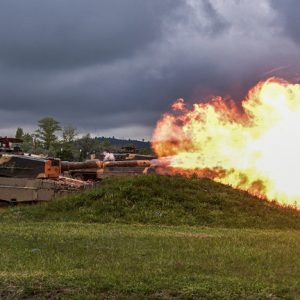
x=254 y=148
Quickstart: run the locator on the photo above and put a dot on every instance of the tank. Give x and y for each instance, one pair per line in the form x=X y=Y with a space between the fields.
x=26 y=178
x=29 y=179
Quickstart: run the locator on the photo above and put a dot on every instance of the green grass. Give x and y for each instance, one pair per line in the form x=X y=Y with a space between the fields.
x=151 y=238
x=163 y=200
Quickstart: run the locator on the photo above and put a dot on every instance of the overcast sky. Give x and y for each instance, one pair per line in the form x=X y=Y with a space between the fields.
x=112 y=67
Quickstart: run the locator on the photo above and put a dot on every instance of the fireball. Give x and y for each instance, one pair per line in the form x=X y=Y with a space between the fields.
x=255 y=147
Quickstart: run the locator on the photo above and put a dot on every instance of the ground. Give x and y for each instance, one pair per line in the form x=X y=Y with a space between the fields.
x=151 y=238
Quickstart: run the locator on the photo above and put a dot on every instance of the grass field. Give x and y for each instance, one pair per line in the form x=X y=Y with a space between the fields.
x=151 y=238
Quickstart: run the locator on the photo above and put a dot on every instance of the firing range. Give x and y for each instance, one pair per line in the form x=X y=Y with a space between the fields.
x=149 y=149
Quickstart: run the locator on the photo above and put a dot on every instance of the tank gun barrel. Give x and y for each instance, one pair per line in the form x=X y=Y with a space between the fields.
x=128 y=163
x=88 y=164
x=98 y=164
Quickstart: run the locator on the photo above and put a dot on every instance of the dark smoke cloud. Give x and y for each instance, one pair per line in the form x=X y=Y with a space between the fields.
x=59 y=34
x=113 y=67
x=288 y=16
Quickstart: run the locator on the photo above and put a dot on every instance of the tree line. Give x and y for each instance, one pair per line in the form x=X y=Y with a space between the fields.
x=45 y=140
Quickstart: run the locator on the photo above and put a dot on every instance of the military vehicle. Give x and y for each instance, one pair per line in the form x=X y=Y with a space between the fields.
x=29 y=179
x=26 y=179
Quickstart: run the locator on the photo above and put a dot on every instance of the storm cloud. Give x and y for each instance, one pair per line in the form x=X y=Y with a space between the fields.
x=113 y=67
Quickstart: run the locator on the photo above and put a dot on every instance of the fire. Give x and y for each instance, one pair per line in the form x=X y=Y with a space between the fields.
x=255 y=147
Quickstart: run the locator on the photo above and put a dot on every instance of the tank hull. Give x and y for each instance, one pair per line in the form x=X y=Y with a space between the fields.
x=17 y=190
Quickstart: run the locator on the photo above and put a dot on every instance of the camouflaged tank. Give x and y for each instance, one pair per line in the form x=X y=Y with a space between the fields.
x=28 y=179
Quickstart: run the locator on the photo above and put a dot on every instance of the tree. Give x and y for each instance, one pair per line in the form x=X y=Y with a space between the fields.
x=19 y=133
x=69 y=134
x=146 y=151
x=88 y=145
x=46 y=132
x=28 y=142
x=85 y=144
x=67 y=149
x=66 y=152
x=106 y=145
